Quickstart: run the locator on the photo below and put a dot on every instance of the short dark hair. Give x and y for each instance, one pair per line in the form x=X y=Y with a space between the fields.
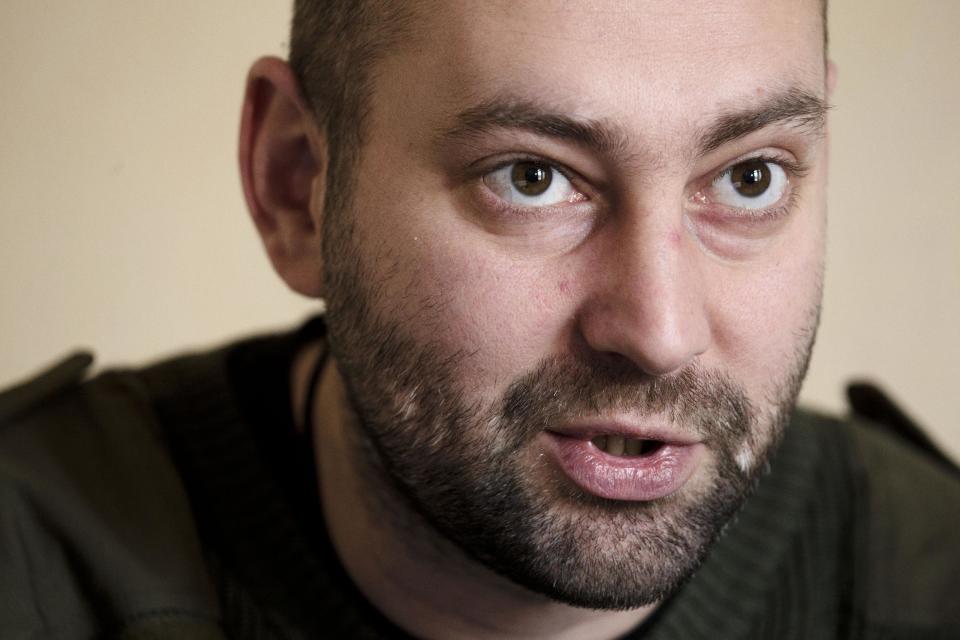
x=334 y=45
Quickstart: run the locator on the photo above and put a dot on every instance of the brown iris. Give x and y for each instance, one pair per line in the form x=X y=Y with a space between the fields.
x=531 y=178
x=751 y=178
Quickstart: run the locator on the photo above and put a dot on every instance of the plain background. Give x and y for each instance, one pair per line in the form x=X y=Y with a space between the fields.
x=122 y=225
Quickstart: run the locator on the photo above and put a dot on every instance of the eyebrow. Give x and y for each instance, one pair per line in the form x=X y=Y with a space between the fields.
x=528 y=115
x=794 y=107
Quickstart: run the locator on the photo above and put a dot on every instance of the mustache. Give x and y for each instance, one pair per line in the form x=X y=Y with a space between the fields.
x=560 y=388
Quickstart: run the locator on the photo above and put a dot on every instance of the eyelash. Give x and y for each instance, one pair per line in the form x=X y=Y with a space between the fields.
x=769 y=215
x=793 y=168
x=556 y=166
x=521 y=212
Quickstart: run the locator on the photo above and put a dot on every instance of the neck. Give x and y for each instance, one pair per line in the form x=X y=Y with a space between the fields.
x=410 y=572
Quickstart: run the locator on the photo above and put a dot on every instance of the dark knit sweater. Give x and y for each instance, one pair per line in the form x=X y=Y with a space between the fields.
x=180 y=502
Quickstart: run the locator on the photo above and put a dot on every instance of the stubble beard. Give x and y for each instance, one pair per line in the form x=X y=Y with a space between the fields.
x=472 y=470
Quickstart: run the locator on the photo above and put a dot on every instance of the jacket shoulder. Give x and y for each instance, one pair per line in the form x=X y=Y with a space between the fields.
x=95 y=526
x=908 y=514
x=59 y=378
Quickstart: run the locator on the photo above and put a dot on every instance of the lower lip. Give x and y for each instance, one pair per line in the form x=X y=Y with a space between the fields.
x=637 y=478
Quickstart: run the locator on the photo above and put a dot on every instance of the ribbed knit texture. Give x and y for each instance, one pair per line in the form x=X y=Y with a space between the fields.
x=775 y=573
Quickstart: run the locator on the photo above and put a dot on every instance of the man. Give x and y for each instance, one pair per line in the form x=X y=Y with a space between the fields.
x=572 y=257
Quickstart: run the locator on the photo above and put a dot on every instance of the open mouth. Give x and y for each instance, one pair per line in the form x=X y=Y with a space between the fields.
x=626 y=447
x=617 y=466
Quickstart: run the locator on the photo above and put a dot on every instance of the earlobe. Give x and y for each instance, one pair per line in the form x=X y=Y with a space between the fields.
x=282 y=167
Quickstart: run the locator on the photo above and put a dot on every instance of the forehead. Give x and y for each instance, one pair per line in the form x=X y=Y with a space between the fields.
x=630 y=60
x=642 y=35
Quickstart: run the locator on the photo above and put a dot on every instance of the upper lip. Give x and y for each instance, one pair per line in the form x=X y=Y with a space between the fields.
x=589 y=429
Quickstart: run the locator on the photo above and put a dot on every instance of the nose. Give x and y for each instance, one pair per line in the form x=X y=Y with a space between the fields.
x=647 y=302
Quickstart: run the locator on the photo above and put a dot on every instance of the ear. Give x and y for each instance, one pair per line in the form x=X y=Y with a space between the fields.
x=282 y=167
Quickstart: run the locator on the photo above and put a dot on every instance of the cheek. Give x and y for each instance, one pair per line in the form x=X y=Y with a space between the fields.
x=764 y=309
x=506 y=314
x=763 y=318
x=452 y=288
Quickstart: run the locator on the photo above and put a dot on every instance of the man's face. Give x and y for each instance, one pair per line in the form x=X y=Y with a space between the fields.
x=578 y=285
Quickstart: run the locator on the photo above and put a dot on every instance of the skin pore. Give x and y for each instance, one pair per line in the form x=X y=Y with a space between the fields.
x=470 y=311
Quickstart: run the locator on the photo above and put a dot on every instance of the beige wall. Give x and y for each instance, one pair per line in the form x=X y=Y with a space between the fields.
x=122 y=224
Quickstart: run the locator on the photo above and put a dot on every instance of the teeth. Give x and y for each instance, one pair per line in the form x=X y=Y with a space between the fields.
x=615 y=445
x=620 y=446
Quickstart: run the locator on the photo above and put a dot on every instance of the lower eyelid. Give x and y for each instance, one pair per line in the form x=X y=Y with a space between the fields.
x=489 y=204
x=504 y=183
x=753 y=216
x=787 y=186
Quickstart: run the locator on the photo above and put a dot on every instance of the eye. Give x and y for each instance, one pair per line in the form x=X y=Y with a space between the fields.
x=531 y=183
x=752 y=184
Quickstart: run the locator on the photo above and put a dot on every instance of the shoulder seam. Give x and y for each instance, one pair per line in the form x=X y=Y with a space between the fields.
x=50 y=383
